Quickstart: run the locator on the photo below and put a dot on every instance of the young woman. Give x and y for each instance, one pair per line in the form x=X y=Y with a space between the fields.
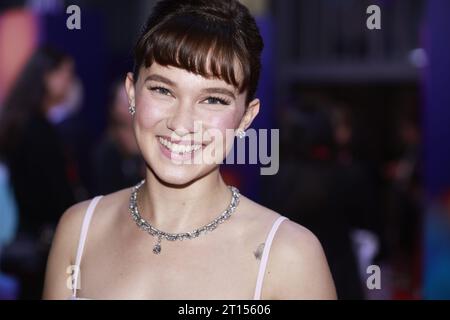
x=196 y=69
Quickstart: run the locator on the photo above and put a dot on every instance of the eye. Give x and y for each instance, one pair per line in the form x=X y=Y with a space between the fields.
x=216 y=100
x=161 y=90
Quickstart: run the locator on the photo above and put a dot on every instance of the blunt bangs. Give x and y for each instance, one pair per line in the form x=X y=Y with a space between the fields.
x=198 y=44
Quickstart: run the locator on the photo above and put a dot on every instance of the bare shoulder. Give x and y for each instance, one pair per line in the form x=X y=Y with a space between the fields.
x=62 y=252
x=297 y=266
x=68 y=229
x=65 y=243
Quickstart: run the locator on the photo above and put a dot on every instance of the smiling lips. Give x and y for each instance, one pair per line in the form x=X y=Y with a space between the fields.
x=180 y=147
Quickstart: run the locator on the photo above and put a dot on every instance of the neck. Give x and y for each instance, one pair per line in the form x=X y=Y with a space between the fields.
x=175 y=209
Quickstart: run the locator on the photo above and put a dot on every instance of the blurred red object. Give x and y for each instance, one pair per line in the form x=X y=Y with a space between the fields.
x=19 y=35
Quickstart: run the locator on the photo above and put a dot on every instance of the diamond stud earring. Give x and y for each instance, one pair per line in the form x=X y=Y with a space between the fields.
x=132 y=109
x=241 y=133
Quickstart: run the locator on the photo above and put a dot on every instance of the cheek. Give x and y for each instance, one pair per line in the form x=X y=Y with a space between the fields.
x=222 y=122
x=220 y=125
x=149 y=113
x=220 y=128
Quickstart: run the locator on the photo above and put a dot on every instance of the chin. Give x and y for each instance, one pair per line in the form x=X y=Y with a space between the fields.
x=180 y=175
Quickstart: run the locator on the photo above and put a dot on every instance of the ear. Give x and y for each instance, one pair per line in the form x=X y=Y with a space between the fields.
x=129 y=86
x=250 y=114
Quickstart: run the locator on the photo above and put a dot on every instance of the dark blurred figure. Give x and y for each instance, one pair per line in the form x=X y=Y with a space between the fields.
x=77 y=138
x=31 y=149
x=404 y=212
x=117 y=162
x=314 y=189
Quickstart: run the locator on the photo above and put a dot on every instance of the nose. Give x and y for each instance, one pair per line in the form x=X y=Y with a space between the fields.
x=181 y=121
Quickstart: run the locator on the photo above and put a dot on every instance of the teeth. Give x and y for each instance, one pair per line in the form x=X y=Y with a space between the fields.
x=179 y=148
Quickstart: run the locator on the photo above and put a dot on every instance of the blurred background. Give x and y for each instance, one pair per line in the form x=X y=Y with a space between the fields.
x=364 y=120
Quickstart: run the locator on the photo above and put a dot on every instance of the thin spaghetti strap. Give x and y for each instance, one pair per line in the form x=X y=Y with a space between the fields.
x=265 y=257
x=81 y=242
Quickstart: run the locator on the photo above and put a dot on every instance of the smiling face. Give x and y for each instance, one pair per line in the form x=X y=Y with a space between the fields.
x=184 y=123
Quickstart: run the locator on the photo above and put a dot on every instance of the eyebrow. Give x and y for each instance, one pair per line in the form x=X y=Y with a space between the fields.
x=160 y=78
x=221 y=91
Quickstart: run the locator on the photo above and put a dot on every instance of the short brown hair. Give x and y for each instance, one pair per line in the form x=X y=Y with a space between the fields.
x=186 y=33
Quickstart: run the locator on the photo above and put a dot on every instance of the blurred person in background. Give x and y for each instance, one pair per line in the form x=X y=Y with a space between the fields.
x=31 y=150
x=76 y=137
x=404 y=211
x=321 y=191
x=117 y=161
x=358 y=201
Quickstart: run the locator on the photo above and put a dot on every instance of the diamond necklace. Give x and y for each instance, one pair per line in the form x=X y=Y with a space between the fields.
x=154 y=232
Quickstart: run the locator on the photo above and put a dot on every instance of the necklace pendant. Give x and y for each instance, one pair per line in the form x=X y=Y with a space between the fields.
x=157 y=247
